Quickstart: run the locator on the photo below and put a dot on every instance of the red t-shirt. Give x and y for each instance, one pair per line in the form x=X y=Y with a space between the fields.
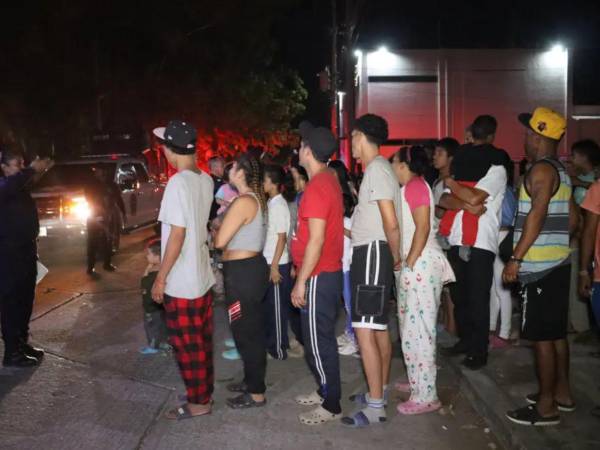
x=322 y=199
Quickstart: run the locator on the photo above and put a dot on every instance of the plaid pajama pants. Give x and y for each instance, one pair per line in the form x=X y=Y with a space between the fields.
x=190 y=327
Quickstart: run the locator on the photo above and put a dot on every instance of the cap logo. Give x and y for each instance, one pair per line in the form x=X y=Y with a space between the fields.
x=541 y=126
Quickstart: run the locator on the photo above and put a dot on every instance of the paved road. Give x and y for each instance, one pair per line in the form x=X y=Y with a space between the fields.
x=95 y=391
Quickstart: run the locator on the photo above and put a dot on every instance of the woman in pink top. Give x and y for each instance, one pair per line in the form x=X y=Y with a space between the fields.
x=419 y=283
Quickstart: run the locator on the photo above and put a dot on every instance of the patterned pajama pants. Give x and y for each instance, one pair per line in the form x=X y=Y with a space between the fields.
x=190 y=328
x=419 y=293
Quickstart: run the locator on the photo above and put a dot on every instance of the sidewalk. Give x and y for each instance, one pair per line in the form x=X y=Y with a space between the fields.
x=510 y=376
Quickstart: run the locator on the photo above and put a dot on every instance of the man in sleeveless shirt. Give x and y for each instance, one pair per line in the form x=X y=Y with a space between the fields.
x=541 y=262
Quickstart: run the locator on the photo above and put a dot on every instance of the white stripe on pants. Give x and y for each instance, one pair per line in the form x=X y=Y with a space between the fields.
x=312 y=324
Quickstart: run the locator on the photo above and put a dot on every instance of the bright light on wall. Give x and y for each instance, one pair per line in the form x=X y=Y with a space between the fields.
x=358 y=53
x=556 y=57
x=380 y=59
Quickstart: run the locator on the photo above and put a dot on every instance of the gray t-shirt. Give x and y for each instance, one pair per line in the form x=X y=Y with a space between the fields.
x=379 y=183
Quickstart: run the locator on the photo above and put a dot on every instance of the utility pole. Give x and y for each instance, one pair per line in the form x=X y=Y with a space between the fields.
x=334 y=70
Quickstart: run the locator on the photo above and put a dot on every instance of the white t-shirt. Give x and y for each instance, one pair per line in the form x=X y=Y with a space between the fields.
x=379 y=183
x=347 y=257
x=186 y=203
x=494 y=183
x=279 y=222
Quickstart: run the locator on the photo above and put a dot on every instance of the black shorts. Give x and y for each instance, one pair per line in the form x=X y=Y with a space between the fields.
x=372 y=265
x=546 y=306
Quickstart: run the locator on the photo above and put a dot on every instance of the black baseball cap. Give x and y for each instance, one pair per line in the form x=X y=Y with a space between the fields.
x=320 y=139
x=179 y=135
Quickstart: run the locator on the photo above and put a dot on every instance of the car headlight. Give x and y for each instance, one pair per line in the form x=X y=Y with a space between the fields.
x=80 y=208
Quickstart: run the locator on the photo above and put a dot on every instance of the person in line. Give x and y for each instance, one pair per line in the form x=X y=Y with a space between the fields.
x=471 y=224
x=226 y=193
x=19 y=229
x=185 y=277
x=443 y=155
x=347 y=344
x=276 y=254
x=242 y=238
x=425 y=270
x=375 y=256
x=589 y=280
x=541 y=261
x=317 y=249
x=501 y=295
x=216 y=168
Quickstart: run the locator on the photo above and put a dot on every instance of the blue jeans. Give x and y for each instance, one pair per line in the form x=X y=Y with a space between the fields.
x=347 y=294
x=596 y=302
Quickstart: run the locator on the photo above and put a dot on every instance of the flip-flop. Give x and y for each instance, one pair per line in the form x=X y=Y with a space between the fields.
x=532 y=399
x=530 y=416
x=360 y=420
x=183 y=412
x=244 y=401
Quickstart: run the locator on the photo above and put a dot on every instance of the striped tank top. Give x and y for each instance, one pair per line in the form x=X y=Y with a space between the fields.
x=551 y=248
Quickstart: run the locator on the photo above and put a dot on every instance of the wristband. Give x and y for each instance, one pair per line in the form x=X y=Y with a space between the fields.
x=515 y=259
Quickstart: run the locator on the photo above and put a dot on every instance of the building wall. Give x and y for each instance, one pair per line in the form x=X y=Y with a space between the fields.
x=429 y=94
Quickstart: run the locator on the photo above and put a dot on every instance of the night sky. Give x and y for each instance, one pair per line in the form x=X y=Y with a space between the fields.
x=140 y=62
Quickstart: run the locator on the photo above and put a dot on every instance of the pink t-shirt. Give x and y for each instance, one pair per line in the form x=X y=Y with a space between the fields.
x=416 y=193
x=591 y=203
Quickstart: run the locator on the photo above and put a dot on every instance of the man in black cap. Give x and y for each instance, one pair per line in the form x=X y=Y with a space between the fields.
x=185 y=277
x=317 y=248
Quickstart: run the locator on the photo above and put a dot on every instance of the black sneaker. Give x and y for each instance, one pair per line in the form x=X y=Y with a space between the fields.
x=473 y=363
x=31 y=351
x=109 y=267
x=529 y=416
x=19 y=359
x=532 y=399
x=244 y=401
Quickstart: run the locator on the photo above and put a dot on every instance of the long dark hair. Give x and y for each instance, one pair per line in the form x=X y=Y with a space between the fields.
x=253 y=173
x=343 y=177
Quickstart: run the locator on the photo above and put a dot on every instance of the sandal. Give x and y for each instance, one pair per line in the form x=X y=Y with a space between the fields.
x=237 y=387
x=244 y=401
x=412 y=408
x=360 y=420
x=532 y=399
x=309 y=399
x=529 y=415
x=318 y=416
x=183 y=412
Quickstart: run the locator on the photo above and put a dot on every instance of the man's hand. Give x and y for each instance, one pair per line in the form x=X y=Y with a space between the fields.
x=585 y=284
x=158 y=291
x=477 y=210
x=275 y=276
x=299 y=294
x=511 y=272
x=41 y=165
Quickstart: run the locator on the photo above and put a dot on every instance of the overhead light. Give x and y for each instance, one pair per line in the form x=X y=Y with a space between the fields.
x=358 y=53
x=381 y=59
x=382 y=49
x=556 y=57
x=557 y=48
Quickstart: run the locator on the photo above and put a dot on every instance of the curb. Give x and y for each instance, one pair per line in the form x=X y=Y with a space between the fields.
x=491 y=402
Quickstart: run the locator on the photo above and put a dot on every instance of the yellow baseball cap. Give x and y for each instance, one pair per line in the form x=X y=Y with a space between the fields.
x=545 y=122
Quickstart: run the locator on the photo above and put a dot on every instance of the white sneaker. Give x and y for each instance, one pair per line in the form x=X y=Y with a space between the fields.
x=348 y=349
x=343 y=339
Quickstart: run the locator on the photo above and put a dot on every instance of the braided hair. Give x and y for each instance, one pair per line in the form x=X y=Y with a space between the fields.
x=253 y=173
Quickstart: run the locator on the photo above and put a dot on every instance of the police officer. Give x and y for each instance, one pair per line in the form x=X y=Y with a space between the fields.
x=19 y=229
x=105 y=198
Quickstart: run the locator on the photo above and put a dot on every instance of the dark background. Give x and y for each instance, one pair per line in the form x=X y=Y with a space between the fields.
x=233 y=64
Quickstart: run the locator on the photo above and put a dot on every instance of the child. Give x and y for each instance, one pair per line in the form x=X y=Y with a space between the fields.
x=226 y=193
x=154 y=314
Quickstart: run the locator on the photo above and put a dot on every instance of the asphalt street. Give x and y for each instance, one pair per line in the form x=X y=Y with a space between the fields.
x=95 y=391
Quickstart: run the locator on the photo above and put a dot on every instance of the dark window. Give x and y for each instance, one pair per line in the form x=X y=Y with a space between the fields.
x=586 y=67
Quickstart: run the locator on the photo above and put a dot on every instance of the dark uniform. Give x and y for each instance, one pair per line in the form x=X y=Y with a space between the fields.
x=19 y=228
x=104 y=198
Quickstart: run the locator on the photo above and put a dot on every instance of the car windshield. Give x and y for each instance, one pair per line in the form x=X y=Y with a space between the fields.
x=75 y=174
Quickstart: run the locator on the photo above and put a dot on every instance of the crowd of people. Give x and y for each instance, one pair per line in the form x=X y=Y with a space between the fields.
x=435 y=236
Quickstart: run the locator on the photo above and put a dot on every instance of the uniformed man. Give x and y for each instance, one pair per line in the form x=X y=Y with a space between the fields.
x=19 y=229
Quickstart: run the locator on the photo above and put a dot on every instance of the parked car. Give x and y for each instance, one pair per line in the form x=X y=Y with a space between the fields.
x=63 y=208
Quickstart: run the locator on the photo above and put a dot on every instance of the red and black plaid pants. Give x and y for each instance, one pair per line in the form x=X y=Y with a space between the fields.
x=190 y=327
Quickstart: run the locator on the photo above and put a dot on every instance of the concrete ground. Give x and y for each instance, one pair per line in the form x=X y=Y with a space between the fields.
x=95 y=391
